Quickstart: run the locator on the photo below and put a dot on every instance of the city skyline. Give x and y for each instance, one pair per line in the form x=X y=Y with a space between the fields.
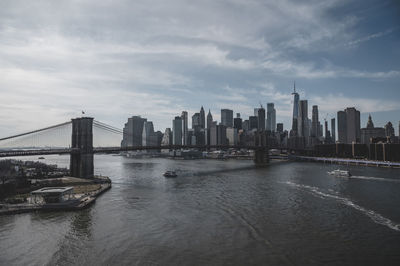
x=58 y=61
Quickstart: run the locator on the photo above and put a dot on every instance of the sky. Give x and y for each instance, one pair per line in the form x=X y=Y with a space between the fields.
x=156 y=58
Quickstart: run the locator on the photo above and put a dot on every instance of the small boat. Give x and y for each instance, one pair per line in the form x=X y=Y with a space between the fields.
x=338 y=172
x=170 y=174
x=41 y=158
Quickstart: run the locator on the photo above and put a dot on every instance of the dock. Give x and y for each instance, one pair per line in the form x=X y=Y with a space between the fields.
x=344 y=161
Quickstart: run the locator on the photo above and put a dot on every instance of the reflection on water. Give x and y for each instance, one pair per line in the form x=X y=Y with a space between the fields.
x=217 y=212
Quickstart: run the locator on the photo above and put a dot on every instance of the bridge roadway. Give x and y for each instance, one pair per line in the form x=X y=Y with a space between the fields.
x=33 y=152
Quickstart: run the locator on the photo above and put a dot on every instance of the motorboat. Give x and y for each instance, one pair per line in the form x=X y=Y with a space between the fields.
x=338 y=172
x=41 y=158
x=170 y=174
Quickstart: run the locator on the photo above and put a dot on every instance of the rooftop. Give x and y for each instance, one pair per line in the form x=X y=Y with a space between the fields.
x=52 y=190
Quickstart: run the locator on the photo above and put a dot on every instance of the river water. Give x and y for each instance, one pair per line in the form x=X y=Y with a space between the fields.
x=217 y=213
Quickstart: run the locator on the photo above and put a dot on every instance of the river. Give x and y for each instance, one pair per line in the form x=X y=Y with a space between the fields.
x=217 y=213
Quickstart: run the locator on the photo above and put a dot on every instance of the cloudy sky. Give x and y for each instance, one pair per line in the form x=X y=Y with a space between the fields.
x=155 y=58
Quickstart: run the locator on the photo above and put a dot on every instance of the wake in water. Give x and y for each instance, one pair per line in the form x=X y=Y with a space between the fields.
x=376 y=179
x=376 y=217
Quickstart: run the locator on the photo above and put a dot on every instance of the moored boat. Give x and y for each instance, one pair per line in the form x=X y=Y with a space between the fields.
x=338 y=172
x=170 y=174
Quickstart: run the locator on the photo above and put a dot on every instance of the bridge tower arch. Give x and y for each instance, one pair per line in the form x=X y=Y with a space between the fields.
x=261 y=153
x=81 y=160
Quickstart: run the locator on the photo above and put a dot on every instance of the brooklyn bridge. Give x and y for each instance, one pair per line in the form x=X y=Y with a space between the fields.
x=83 y=137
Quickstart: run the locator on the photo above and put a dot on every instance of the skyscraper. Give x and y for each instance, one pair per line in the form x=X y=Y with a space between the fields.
x=148 y=131
x=202 y=118
x=261 y=118
x=177 y=131
x=271 y=117
x=209 y=119
x=389 y=130
x=196 y=121
x=342 y=126
x=302 y=119
x=185 y=128
x=333 y=130
x=314 y=122
x=349 y=127
x=279 y=127
x=132 y=132
x=296 y=99
x=237 y=122
x=227 y=117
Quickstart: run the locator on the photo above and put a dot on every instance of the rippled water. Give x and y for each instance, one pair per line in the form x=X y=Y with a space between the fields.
x=217 y=212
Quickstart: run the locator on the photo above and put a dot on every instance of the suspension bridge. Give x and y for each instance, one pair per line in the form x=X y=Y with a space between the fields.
x=89 y=137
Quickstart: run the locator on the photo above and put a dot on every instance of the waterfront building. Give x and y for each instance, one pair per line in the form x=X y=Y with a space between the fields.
x=333 y=130
x=253 y=122
x=132 y=132
x=202 y=118
x=371 y=132
x=196 y=124
x=209 y=119
x=167 y=137
x=177 y=131
x=232 y=136
x=237 y=122
x=302 y=119
x=218 y=134
x=227 y=117
x=261 y=118
x=353 y=125
x=185 y=128
x=296 y=99
x=271 y=117
x=314 y=122
x=148 y=131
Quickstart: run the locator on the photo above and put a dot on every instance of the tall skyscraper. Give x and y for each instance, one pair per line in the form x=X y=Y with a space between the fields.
x=261 y=118
x=132 y=132
x=302 y=119
x=209 y=119
x=271 y=117
x=342 y=126
x=148 y=131
x=314 y=122
x=296 y=99
x=196 y=123
x=227 y=117
x=389 y=129
x=349 y=127
x=202 y=118
x=253 y=122
x=177 y=131
x=279 y=127
x=237 y=122
x=333 y=130
x=167 y=137
x=353 y=125
x=185 y=128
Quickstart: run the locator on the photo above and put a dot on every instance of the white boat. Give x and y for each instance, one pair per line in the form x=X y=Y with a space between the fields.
x=339 y=172
x=170 y=174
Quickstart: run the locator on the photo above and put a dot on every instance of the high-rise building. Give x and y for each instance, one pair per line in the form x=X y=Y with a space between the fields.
x=253 y=122
x=333 y=130
x=353 y=125
x=246 y=125
x=342 y=126
x=371 y=132
x=349 y=128
x=202 y=118
x=279 y=127
x=302 y=119
x=271 y=117
x=232 y=136
x=227 y=117
x=148 y=131
x=389 y=129
x=132 y=132
x=296 y=99
x=177 y=130
x=314 y=122
x=237 y=122
x=256 y=111
x=327 y=133
x=167 y=138
x=185 y=128
x=261 y=118
x=196 y=123
x=218 y=134
x=209 y=119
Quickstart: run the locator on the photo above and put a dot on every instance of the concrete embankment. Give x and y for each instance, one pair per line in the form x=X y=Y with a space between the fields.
x=344 y=161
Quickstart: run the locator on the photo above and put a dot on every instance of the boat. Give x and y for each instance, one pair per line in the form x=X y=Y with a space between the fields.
x=170 y=174
x=338 y=172
x=41 y=158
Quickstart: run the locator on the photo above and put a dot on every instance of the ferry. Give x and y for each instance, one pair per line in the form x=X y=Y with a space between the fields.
x=170 y=174
x=342 y=173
